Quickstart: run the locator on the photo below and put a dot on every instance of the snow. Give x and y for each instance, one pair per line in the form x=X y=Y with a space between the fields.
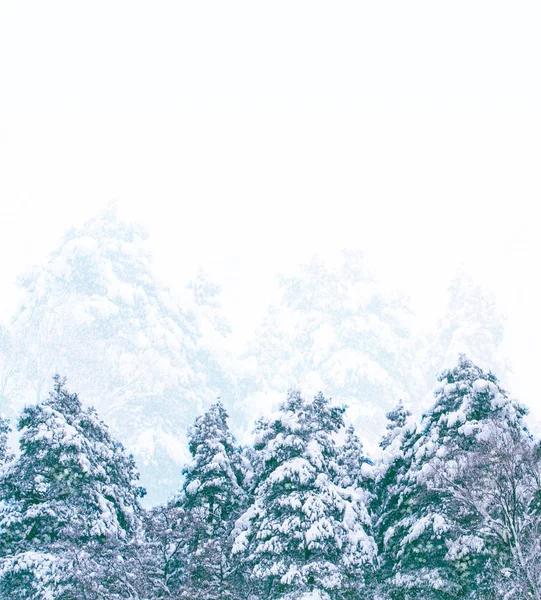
x=316 y=595
x=150 y=363
x=458 y=416
x=297 y=469
x=480 y=385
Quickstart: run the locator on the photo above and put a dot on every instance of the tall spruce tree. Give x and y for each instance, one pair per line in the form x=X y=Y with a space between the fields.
x=96 y=310
x=352 y=460
x=69 y=503
x=495 y=488
x=386 y=499
x=431 y=547
x=472 y=324
x=338 y=330
x=303 y=533
x=212 y=499
x=356 y=482
x=396 y=421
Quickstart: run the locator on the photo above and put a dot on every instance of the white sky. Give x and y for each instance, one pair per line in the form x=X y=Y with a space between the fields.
x=249 y=135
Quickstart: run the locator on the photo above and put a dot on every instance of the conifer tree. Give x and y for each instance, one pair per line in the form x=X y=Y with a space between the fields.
x=211 y=498
x=431 y=548
x=396 y=421
x=302 y=534
x=338 y=330
x=387 y=482
x=495 y=487
x=96 y=310
x=352 y=460
x=70 y=500
x=472 y=324
x=356 y=485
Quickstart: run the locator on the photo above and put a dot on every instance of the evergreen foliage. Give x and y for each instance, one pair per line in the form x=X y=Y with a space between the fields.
x=430 y=546
x=339 y=331
x=95 y=310
x=451 y=509
x=212 y=498
x=303 y=533
x=397 y=419
x=69 y=502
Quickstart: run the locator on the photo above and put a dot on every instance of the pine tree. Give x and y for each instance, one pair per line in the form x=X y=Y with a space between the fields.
x=356 y=482
x=202 y=300
x=303 y=533
x=211 y=498
x=95 y=310
x=337 y=330
x=70 y=500
x=397 y=419
x=472 y=324
x=431 y=547
x=389 y=474
x=352 y=461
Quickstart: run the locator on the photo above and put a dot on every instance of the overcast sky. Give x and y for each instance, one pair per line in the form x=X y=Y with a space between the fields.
x=250 y=135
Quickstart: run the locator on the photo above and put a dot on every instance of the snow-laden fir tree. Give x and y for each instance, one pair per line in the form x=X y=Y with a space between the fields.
x=396 y=421
x=304 y=533
x=388 y=476
x=212 y=499
x=96 y=311
x=70 y=501
x=432 y=545
x=355 y=478
x=472 y=324
x=201 y=300
x=352 y=461
x=338 y=330
x=495 y=487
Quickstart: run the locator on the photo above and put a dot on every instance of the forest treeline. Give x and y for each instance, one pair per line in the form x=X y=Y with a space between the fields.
x=451 y=508
x=96 y=311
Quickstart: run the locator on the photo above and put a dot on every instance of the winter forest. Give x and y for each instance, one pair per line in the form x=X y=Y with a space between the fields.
x=343 y=453
x=270 y=314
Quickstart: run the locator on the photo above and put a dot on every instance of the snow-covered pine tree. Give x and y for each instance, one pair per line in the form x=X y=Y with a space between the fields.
x=303 y=533
x=355 y=479
x=388 y=475
x=352 y=460
x=202 y=301
x=396 y=421
x=472 y=324
x=97 y=312
x=212 y=499
x=69 y=502
x=338 y=330
x=431 y=546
